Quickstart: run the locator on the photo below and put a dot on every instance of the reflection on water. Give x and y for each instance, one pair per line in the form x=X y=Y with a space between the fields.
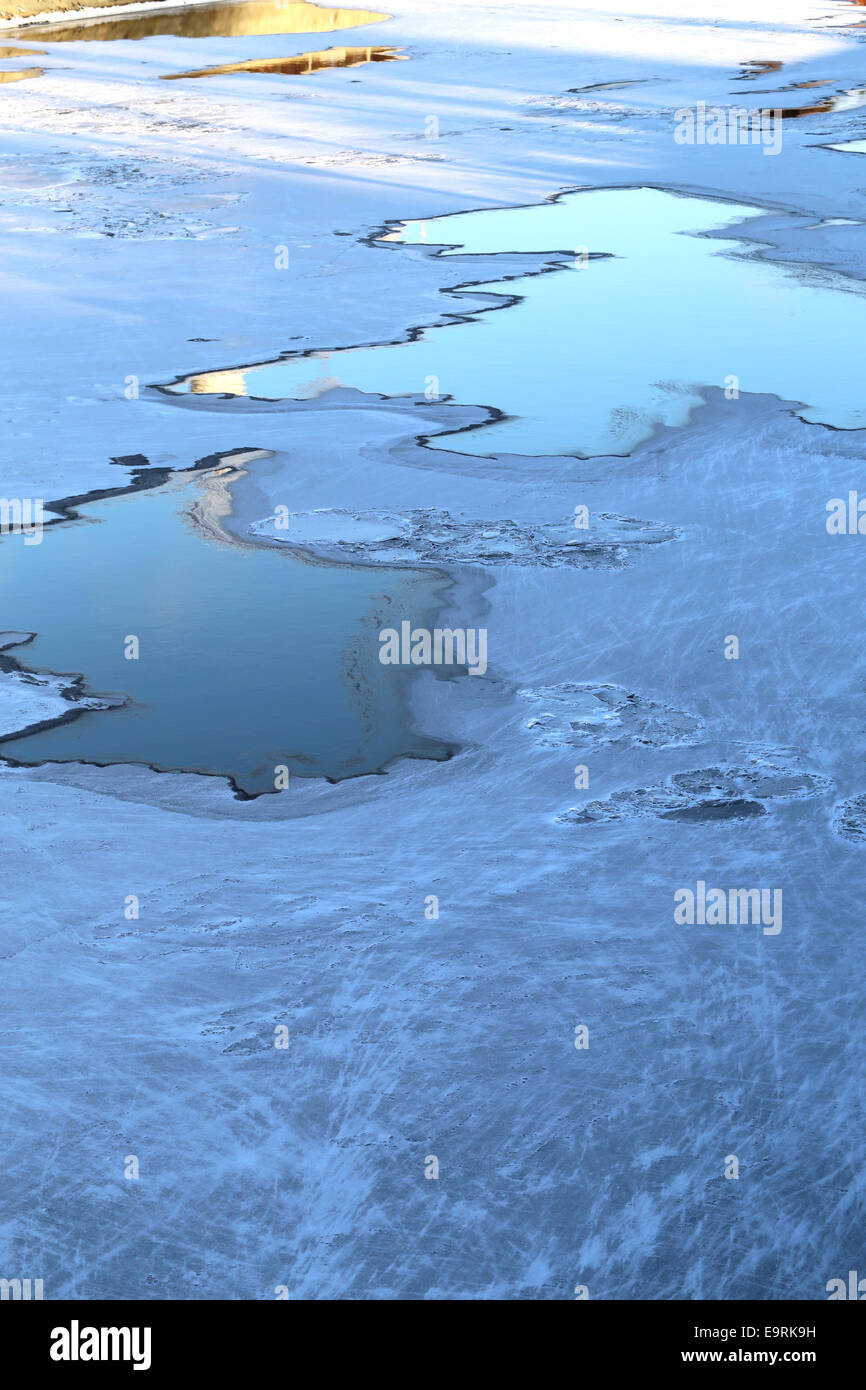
x=597 y=354
x=843 y=101
x=249 y=656
x=21 y=75
x=756 y=67
x=20 y=52
x=301 y=64
x=218 y=383
x=789 y=87
x=212 y=21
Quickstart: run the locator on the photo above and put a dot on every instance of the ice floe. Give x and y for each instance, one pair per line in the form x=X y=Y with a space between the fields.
x=575 y=713
x=707 y=794
x=434 y=537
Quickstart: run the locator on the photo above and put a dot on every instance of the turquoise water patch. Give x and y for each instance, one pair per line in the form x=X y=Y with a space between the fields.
x=250 y=657
x=599 y=353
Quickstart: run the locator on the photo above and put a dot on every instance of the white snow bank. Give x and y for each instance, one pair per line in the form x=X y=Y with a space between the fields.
x=29 y=699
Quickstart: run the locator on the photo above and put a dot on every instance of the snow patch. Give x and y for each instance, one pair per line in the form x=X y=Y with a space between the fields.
x=574 y=713
x=32 y=699
x=849 y=819
x=435 y=537
x=706 y=794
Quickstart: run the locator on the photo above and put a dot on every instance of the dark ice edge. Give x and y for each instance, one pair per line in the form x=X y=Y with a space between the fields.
x=145 y=479
x=506 y=301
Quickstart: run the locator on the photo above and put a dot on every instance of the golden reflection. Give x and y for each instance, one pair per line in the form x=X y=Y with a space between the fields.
x=212 y=21
x=20 y=75
x=229 y=383
x=301 y=64
x=842 y=101
x=19 y=52
x=756 y=67
x=17 y=10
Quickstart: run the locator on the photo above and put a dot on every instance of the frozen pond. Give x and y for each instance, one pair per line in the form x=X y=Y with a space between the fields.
x=249 y=657
x=615 y=755
x=600 y=352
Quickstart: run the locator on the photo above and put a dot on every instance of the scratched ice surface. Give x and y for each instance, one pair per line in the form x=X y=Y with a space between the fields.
x=138 y=238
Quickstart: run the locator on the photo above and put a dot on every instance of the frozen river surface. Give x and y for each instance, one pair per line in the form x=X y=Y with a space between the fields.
x=507 y=356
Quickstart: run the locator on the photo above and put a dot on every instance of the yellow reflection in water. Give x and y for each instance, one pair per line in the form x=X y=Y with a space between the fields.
x=20 y=75
x=301 y=63
x=19 y=52
x=230 y=383
x=842 y=101
x=213 y=21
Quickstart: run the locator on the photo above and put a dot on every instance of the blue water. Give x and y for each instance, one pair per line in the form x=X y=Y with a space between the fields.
x=249 y=657
x=600 y=352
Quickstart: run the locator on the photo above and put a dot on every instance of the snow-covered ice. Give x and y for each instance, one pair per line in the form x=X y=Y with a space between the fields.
x=158 y=931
